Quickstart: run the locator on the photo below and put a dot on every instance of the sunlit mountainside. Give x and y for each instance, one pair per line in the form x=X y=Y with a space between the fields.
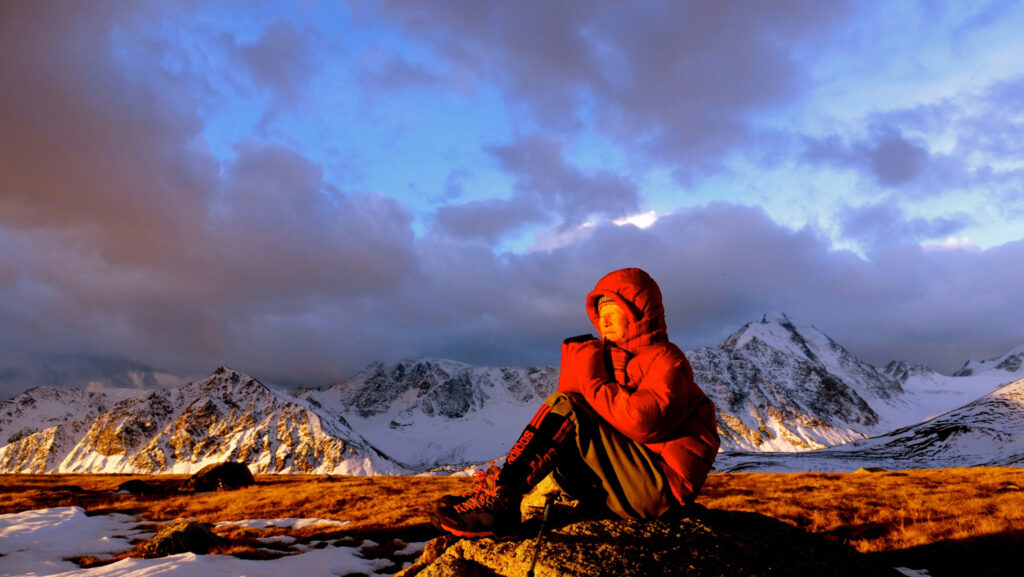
x=780 y=385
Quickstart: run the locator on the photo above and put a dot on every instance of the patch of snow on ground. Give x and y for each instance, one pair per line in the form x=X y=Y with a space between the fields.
x=333 y=561
x=286 y=523
x=914 y=572
x=412 y=548
x=35 y=543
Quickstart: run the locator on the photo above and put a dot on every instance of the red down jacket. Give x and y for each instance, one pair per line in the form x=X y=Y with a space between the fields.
x=660 y=405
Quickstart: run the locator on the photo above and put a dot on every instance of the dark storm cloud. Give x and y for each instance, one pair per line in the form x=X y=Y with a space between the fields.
x=679 y=80
x=120 y=237
x=720 y=267
x=81 y=142
x=546 y=185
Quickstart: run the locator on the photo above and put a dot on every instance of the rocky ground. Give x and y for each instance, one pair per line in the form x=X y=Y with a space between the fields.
x=704 y=542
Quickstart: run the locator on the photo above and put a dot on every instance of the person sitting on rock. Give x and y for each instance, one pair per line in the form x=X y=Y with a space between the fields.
x=627 y=433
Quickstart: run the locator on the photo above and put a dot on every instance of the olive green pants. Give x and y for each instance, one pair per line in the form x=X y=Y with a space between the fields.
x=606 y=468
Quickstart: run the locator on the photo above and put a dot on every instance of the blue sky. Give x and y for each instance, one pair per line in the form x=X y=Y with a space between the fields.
x=298 y=189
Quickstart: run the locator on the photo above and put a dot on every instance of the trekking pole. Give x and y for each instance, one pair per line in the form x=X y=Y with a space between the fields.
x=550 y=500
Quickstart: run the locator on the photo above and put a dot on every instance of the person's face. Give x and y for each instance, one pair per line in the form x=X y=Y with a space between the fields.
x=612 y=322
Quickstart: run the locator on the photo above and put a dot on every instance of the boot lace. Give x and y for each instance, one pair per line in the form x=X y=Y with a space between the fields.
x=485 y=498
x=480 y=480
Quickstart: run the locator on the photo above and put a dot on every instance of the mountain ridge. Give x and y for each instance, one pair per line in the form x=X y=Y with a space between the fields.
x=779 y=384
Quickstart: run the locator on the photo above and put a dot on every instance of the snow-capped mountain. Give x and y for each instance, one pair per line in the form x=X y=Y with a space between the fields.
x=779 y=385
x=782 y=385
x=228 y=416
x=432 y=413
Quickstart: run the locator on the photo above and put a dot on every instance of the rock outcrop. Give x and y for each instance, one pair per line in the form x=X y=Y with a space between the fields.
x=706 y=542
x=180 y=537
x=139 y=487
x=219 y=476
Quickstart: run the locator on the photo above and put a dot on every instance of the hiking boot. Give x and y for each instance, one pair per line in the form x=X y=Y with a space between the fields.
x=492 y=512
x=481 y=479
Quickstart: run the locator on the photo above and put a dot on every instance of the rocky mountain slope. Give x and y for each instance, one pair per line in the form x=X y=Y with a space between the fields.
x=780 y=385
x=228 y=416
x=432 y=413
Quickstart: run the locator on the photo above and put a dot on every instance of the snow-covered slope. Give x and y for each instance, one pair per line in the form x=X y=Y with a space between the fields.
x=1011 y=362
x=986 y=432
x=228 y=416
x=432 y=413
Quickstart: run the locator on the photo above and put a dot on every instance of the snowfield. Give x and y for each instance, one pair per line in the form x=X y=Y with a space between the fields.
x=35 y=543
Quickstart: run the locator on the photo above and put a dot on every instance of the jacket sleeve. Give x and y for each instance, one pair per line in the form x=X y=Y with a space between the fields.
x=663 y=398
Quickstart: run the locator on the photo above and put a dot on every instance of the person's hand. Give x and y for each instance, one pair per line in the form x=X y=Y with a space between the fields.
x=589 y=360
x=568 y=379
x=582 y=363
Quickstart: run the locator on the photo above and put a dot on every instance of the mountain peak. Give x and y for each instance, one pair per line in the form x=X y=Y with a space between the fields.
x=780 y=331
x=902 y=370
x=1010 y=362
x=228 y=376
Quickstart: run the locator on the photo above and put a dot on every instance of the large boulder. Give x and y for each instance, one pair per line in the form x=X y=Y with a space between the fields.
x=180 y=537
x=138 y=487
x=703 y=543
x=219 y=476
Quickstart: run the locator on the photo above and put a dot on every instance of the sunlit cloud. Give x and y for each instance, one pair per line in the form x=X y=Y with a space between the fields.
x=640 y=220
x=952 y=243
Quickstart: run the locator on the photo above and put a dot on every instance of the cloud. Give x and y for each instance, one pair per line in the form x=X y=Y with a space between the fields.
x=122 y=236
x=973 y=140
x=396 y=73
x=546 y=186
x=885 y=224
x=889 y=156
x=280 y=60
x=952 y=243
x=681 y=81
x=82 y=141
x=487 y=220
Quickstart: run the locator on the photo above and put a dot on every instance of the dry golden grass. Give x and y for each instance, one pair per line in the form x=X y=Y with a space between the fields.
x=880 y=513
x=370 y=503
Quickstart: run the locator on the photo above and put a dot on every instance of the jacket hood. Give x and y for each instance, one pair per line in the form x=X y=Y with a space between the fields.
x=637 y=293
